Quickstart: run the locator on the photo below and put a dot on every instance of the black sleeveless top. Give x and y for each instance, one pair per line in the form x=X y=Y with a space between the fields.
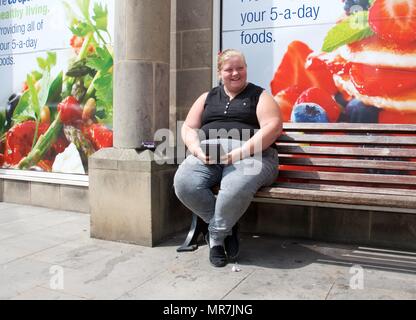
x=237 y=118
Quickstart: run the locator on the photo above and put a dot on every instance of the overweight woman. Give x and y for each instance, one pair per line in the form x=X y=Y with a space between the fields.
x=230 y=134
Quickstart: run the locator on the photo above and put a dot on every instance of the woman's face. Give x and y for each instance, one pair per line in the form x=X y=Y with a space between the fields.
x=234 y=74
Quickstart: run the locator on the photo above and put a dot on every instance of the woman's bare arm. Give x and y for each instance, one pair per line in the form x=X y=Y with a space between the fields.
x=191 y=125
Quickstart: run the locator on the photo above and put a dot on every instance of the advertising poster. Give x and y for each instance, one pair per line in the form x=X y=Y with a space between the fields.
x=56 y=83
x=351 y=61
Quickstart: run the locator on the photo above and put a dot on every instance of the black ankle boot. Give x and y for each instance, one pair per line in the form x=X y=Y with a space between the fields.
x=232 y=244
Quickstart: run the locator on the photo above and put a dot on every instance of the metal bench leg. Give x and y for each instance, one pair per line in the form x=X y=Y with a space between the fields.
x=198 y=226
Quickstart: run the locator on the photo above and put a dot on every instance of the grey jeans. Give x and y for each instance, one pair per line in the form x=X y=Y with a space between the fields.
x=238 y=183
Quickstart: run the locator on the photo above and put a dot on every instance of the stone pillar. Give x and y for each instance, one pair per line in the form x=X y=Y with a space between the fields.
x=131 y=196
x=141 y=86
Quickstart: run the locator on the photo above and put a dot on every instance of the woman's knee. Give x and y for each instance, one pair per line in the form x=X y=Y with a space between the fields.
x=185 y=184
x=181 y=183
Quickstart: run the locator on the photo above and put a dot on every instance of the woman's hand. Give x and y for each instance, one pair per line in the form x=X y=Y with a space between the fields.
x=233 y=156
x=198 y=153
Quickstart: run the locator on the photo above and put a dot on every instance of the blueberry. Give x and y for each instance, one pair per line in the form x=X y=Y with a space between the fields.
x=352 y=6
x=339 y=98
x=309 y=112
x=358 y=112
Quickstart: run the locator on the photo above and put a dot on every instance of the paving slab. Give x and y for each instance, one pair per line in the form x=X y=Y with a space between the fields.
x=39 y=293
x=36 y=241
x=22 y=275
x=192 y=278
x=111 y=276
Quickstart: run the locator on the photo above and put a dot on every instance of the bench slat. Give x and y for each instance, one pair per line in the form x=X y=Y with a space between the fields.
x=343 y=188
x=348 y=151
x=339 y=197
x=347 y=163
x=353 y=127
x=348 y=139
x=351 y=177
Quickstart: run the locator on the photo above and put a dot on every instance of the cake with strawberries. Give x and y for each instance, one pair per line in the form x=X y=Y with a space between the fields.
x=366 y=71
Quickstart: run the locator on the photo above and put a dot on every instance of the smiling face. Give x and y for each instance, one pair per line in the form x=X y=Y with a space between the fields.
x=233 y=73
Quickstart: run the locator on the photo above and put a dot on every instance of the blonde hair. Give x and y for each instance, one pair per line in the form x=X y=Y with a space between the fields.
x=227 y=54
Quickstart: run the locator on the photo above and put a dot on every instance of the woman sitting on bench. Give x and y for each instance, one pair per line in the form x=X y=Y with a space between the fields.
x=230 y=133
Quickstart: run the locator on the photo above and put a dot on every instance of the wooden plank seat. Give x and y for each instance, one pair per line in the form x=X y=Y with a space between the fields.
x=352 y=166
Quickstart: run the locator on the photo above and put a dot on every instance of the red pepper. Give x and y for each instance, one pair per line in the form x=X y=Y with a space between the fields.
x=19 y=140
x=60 y=145
x=100 y=136
x=70 y=110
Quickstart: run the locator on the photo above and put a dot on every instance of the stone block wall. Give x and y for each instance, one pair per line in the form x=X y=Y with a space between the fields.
x=191 y=55
x=54 y=196
x=359 y=227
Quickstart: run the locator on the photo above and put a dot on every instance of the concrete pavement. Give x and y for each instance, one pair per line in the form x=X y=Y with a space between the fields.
x=48 y=254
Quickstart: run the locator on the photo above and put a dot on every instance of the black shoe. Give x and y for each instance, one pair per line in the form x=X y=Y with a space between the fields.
x=217 y=256
x=232 y=244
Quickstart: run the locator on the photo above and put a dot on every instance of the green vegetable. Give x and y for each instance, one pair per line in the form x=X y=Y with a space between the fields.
x=42 y=146
x=55 y=90
x=84 y=146
x=353 y=28
x=23 y=110
x=102 y=84
x=79 y=69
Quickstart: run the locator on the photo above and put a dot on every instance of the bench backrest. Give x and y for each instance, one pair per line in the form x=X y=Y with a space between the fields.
x=362 y=155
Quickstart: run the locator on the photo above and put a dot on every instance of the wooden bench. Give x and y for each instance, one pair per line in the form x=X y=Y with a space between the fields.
x=351 y=166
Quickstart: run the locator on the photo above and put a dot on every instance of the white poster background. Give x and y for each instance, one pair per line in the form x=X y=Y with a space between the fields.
x=50 y=33
x=304 y=20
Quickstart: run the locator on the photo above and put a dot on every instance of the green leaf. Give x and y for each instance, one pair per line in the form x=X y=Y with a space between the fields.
x=55 y=90
x=81 y=29
x=33 y=96
x=102 y=61
x=100 y=16
x=36 y=75
x=2 y=122
x=42 y=63
x=23 y=110
x=104 y=94
x=47 y=63
x=45 y=85
x=104 y=88
x=70 y=14
x=84 y=6
x=353 y=28
x=51 y=58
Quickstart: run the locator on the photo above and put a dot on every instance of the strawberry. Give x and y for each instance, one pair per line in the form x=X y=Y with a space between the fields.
x=394 y=20
x=396 y=117
x=293 y=71
x=323 y=99
x=286 y=99
x=100 y=136
x=70 y=111
x=19 y=140
x=376 y=81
